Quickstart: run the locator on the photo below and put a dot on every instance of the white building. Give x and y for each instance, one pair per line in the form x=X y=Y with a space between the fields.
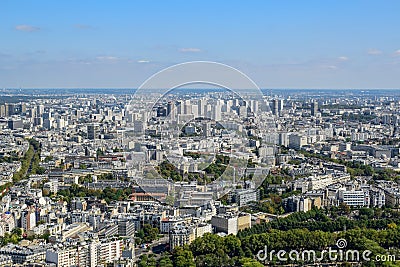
x=28 y=219
x=297 y=141
x=226 y=223
x=62 y=257
x=377 y=197
x=355 y=198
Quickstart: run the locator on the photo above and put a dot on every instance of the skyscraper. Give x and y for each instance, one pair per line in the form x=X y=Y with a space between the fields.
x=201 y=107
x=92 y=131
x=314 y=108
x=206 y=129
x=275 y=107
x=171 y=110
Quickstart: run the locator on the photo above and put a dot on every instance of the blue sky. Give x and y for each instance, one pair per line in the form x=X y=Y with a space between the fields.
x=279 y=44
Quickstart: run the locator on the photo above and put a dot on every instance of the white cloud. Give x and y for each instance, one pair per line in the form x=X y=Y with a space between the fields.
x=374 y=52
x=329 y=67
x=143 y=61
x=397 y=53
x=190 y=50
x=343 y=58
x=106 y=58
x=27 y=28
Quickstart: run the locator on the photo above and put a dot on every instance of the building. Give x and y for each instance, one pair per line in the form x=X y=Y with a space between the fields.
x=230 y=223
x=21 y=254
x=314 y=108
x=28 y=219
x=355 y=198
x=275 y=107
x=377 y=197
x=301 y=203
x=63 y=257
x=184 y=234
x=243 y=197
x=170 y=109
x=206 y=127
x=15 y=124
x=297 y=141
x=5 y=260
x=181 y=235
x=392 y=197
x=7 y=223
x=109 y=251
x=92 y=131
x=244 y=221
x=126 y=228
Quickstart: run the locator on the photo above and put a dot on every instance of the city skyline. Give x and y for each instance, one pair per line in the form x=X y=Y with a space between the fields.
x=279 y=45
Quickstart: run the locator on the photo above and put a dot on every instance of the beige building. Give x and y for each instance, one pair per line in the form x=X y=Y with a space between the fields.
x=62 y=257
x=183 y=234
x=231 y=223
x=244 y=221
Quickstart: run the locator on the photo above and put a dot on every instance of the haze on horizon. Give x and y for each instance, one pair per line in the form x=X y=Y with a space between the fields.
x=279 y=44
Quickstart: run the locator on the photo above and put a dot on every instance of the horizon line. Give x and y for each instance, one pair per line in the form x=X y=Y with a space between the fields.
x=205 y=88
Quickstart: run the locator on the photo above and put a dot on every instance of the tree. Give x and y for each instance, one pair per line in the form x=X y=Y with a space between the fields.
x=165 y=261
x=248 y=262
x=183 y=257
x=344 y=208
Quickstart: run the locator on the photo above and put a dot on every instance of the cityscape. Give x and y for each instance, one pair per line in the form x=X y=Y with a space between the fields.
x=167 y=154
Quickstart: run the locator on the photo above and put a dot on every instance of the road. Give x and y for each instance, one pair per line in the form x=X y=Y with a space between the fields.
x=156 y=247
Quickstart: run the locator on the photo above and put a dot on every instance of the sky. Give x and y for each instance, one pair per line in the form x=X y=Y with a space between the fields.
x=278 y=44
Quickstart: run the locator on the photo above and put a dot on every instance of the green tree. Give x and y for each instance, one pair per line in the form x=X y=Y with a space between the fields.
x=183 y=257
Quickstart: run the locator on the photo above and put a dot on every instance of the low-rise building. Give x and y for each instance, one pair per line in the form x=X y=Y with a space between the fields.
x=355 y=198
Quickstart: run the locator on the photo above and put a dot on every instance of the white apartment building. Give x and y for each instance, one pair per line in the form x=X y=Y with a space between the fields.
x=97 y=252
x=62 y=257
x=226 y=223
x=356 y=198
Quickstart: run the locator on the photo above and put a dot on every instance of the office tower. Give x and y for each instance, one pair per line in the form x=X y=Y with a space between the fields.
x=187 y=107
x=61 y=123
x=92 y=131
x=314 y=108
x=31 y=112
x=201 y=107
x=171 y=110
x=179 y=107
x=9 y=109
x=15 y=124
x=280 y=105
x=23 y=108
x=37 y=121
x=284 y=139
x=207 y=111
x=253 y=106
x=40 y=110
x=242 y=111
x=2 y=111
x=216 y=112
x=229 y=105
x=48 y=123
x=275 y=107
x=161 y=112
x=206 y=129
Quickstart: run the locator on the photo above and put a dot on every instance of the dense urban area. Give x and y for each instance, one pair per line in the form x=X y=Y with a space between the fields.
x=203 y=178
